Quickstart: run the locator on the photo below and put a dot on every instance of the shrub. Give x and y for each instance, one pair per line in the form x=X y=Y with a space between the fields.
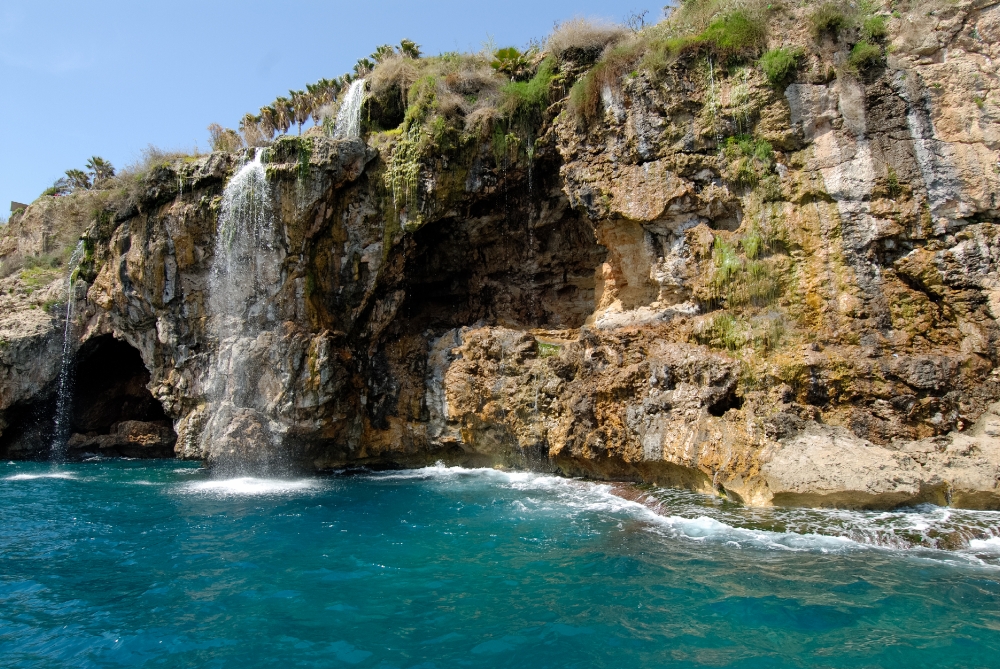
x=873 y=28
x=830 y=18
x=735 y=36
x=893 y=188
x=511 y=62
x=222 y=139
x=779 y=65
x=583 y=40
x=526 y=97
x=864 y=56
x=129 y=183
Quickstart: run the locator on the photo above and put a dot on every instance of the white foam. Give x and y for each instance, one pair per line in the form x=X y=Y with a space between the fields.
x=813 y=530
x=47 y=475
x=991 y=545
x=248 y=486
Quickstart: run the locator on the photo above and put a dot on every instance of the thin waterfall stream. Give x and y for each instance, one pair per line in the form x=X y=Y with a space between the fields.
x=348 y=123
x=64 y=393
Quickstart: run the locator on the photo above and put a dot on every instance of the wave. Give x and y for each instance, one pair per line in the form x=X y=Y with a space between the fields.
x=249 y=486
x=697 y=517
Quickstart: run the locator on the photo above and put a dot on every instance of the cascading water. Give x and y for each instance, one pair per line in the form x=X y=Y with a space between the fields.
x=348 y=123
x=57 y=449
x=241 y=434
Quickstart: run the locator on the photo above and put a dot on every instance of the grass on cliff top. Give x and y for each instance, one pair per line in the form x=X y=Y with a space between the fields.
x=726 y=32
x=455 y=99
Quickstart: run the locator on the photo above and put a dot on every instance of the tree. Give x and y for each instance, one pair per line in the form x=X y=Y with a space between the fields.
x=409 y=48
x=100 y=169
x=301 y=107
x=383 y=52
x=266 y=122
x=77 y=180
x=224 y=139
x=282 y=114
x=363 y=67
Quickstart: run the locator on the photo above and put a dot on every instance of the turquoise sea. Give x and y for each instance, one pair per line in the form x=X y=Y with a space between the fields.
x=130 y=563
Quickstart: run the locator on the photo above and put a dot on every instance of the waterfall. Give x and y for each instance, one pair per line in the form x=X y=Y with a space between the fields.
x=348 y=124
x=245 y=274
x=57 y=449
x=242 y=267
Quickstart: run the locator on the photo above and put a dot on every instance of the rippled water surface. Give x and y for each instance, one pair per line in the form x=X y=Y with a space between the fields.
x=111 y=564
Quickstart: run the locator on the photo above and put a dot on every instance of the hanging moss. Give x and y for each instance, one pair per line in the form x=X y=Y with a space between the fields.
x=305 y=153
x=403 y=168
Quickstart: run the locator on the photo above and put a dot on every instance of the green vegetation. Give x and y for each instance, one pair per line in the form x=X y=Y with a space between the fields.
x=980 y=101
x=546 y=350
x=859 y=25
x=779 y=65
x=317 y=100
x=732 y=37
x=830 y=18
x=873 y=28
x=725 y=332
x=728 y=35
x=893 y=187
x=760 y=334
x=748 y=280
x=511 y=62
x=864 y=56
x=403 y=168
x=38 y=276
x=98 y=174
x=749 y=160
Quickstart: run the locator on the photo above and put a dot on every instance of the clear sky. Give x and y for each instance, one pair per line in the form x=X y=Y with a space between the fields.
x=109 y=78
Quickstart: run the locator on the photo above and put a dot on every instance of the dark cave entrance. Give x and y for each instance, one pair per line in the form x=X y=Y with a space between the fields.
x=114 y=413
x=502 y=271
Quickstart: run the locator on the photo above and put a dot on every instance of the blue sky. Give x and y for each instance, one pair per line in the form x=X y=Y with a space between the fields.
x=109 y=78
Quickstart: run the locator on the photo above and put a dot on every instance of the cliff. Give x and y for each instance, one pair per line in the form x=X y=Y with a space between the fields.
x=784 y=289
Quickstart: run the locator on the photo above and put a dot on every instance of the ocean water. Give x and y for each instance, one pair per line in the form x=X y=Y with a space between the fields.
x=129 y=563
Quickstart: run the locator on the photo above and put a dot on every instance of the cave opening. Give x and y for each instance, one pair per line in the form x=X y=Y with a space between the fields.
x=114 y=413
x=502 y=271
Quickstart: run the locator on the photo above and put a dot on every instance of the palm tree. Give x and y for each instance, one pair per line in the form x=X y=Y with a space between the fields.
x=78 y=179
x=100 y=169
x=382 y=52
x=363 y=67
x=250 y=128
x=409 y=48
x=266 y=122
x=302 y=108
x=282 y=114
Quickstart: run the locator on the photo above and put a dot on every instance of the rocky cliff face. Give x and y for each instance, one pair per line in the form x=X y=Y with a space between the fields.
x=642 y=299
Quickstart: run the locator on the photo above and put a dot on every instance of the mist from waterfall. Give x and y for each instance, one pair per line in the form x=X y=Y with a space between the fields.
x=348 y=123
x=64 y=392
x=241 y=434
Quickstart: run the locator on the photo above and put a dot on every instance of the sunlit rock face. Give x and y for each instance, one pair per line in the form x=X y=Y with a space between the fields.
x=626 y=304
